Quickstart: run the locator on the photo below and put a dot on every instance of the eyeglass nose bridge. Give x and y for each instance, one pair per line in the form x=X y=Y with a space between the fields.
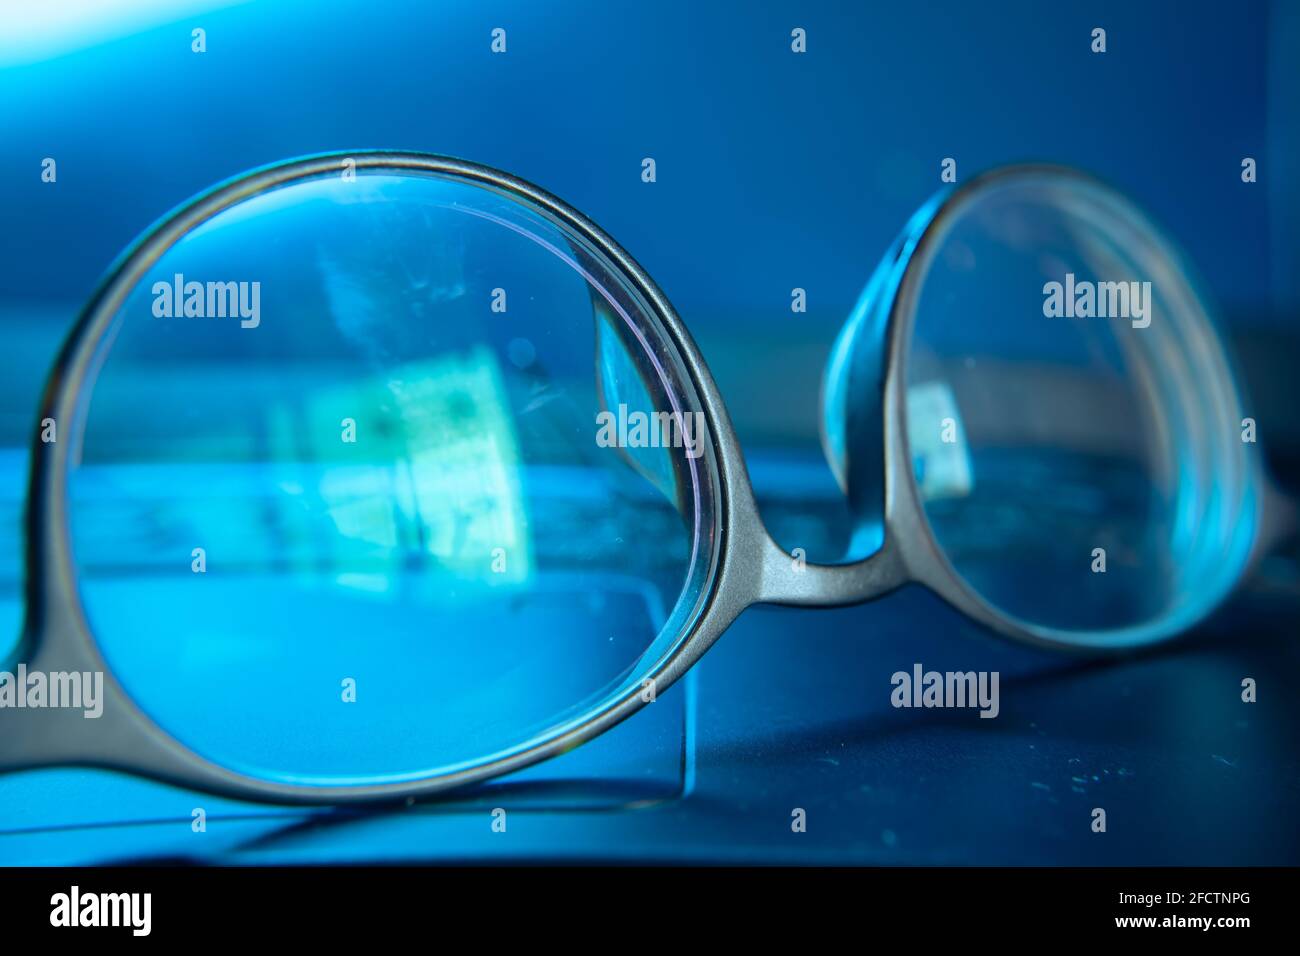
x=785 y=578
x=899 y=549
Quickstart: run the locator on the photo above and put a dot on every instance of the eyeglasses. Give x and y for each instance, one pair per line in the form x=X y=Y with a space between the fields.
x=366 y=476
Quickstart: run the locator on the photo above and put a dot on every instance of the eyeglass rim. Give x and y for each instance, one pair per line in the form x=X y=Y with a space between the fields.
x=905 y=513
x=56 y=631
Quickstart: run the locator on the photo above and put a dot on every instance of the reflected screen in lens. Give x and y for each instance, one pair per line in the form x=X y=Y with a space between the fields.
x=1069 y=415
x=343 y=513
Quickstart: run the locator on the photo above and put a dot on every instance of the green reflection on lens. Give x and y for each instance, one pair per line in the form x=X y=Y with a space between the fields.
x=415 y=554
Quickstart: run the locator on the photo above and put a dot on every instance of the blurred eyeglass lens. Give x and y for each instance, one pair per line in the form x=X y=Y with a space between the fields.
x=1069 y=412
x=342 y=512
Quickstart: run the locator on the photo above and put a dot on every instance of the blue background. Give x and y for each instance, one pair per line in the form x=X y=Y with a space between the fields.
x=775 y=170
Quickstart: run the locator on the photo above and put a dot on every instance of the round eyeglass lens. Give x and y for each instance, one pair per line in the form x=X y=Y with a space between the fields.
x=385 y=475
x=1073 y=423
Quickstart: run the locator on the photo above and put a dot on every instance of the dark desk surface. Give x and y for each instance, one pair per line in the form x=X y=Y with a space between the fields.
x=791 y=710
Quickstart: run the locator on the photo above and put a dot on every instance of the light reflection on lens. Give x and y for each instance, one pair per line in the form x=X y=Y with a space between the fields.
x=352 y=523
x=1070 y=414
